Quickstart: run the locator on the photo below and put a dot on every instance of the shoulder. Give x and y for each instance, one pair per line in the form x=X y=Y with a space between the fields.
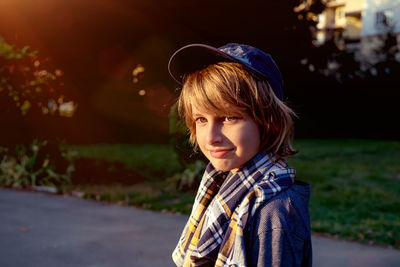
x=287 y=211
x=278 y=233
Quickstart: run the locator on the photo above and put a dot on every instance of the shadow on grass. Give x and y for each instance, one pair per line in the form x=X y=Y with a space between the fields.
x=99 y=171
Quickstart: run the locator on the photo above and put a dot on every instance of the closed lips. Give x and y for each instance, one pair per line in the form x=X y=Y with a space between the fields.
x=219 y=153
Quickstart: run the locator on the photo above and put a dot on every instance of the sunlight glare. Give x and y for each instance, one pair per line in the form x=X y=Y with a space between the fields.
x=67 y=109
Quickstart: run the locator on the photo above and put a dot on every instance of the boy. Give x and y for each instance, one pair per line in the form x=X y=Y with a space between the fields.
x=249 y=210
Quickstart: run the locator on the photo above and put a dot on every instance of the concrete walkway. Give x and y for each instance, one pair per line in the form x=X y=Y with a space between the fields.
x=38 y=229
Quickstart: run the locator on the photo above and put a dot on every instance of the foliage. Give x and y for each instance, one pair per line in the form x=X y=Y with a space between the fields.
x=29 y=167
x=382 y=65
x=191 y=161
x=389 y=45
x=333 y=59
x=190 y=178
x=305 y=24
x=341 y=79
x=180 y=138
x=30 y=82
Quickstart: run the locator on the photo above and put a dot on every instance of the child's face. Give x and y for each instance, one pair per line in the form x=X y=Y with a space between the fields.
x=227 y=140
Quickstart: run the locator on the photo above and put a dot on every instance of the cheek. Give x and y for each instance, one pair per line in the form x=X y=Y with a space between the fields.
x=250 y=140
x=200 y=139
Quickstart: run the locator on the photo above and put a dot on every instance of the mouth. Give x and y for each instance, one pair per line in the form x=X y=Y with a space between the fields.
x=219 y=153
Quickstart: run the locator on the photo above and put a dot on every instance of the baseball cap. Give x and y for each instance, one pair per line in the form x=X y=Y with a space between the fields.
x=193 y=57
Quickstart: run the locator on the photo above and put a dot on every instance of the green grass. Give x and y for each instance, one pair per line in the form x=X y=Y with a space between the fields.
x=152 y=161
x=355 y=188
x=355 y=184
x=157 y=163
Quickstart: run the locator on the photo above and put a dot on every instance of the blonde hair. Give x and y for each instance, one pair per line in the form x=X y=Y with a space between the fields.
x=227 y=84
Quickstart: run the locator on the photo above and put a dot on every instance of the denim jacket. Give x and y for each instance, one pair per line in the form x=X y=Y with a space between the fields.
x=280 y=235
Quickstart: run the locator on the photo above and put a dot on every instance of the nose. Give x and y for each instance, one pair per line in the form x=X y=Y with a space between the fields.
x=214 y=134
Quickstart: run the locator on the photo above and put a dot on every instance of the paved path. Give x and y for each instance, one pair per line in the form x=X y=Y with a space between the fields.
x=38 y=229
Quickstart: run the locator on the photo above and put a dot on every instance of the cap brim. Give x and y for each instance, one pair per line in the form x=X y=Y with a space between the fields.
x=193 y=57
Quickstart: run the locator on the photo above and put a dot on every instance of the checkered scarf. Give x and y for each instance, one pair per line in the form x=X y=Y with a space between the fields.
x=224 y=203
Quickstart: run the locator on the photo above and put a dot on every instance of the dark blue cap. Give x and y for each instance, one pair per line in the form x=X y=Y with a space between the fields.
x=193 y=57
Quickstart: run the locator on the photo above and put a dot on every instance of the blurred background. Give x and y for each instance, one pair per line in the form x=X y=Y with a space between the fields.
x=92 y=76
x=338 y=60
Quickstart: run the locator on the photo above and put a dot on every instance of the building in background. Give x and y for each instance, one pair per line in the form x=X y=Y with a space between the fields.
x=380 y=19
x=341 y=22
x=359 y=26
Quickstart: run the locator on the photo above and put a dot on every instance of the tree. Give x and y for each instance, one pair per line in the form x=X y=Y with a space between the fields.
x=27 y=83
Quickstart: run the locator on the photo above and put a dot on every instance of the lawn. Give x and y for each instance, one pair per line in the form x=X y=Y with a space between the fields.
x=354 y=183
x=355 y=188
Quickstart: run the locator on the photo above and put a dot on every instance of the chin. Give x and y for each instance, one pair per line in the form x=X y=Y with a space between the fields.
x=223 y=166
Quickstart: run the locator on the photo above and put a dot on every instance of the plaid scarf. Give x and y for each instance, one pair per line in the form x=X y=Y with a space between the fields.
x=223 y=205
